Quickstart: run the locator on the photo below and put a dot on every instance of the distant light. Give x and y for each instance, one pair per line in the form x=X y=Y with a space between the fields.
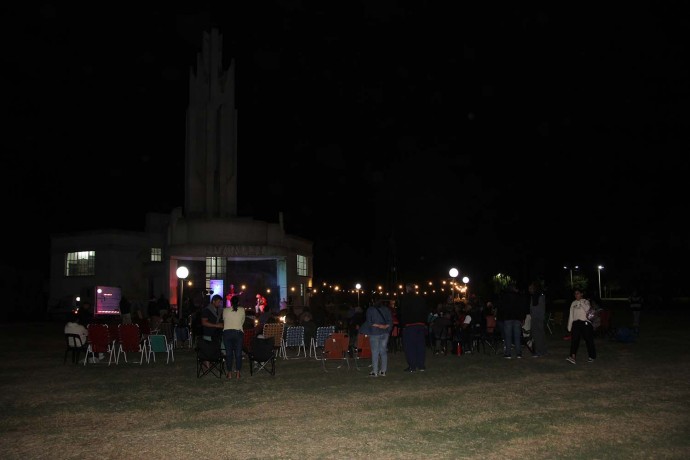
x=453 y=272
x=465 y=279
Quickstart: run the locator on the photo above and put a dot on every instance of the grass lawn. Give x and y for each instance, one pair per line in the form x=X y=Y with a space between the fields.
x=633 y=402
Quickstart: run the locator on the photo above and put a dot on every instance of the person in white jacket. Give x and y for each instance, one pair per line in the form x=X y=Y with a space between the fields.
x=580 y=327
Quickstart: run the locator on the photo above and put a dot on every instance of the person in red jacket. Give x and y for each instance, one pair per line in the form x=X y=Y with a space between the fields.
x=260 y=304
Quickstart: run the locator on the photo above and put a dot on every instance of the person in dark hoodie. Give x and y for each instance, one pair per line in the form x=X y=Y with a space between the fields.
x=513 y=309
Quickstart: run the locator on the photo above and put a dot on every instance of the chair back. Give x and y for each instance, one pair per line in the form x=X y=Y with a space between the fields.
x=73 y=341
x=274 y=330
x=323 y=332
x=294 y=338
x=99 y=338
x=262 y=349
x=74 y=345
x=144 y=327
x=335 y=347
x=158 y=343
x=319 y=338
x=490 y=324
x=363 y=347
x=249 y=335
x=129 y=337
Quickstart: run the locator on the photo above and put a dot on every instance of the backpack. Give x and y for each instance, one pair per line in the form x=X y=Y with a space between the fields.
x=593 y=317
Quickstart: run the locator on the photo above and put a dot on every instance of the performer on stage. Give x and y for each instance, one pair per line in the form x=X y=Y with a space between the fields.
x=260 y=304
x=231 y=294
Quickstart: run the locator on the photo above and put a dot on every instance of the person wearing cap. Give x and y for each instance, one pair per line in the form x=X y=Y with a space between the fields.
x=260 y=304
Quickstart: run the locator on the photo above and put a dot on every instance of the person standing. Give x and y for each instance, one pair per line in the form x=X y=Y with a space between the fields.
x=537 y=311
x=163 y=306
x=231 y=294
x=580 y=328
x=512 y=309
x=636 y=302
x=233 y=336
x=125 y=310
x=85 y=313
x=211 y=330
x=381 y=320
x=412 y=314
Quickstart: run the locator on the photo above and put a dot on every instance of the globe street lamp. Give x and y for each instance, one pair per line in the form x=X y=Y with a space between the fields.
x=182 y=273
x=453 y=272
x=465 y=280
x=599 y=268
x=358 y=287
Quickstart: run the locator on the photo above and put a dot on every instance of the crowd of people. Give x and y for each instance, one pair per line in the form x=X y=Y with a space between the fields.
x=447 y=328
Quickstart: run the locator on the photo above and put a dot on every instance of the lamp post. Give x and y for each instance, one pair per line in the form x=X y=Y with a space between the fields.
x=571 y=274
x=358 y=287
x=182 y=273
x=453 y=272
x=465 y=280
x=599 y=269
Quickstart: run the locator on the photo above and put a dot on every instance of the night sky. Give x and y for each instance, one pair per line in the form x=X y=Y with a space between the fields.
x=489 y=138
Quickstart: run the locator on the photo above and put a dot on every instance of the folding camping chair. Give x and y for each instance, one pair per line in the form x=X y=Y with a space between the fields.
x=336 y=347
x=209 y=351
x=294 y=339
x=317 y=341
x=261 y=355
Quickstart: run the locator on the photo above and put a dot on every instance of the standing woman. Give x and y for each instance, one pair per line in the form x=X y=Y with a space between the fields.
x=537 y=311
x=636 y=302
x=580 y=327
x=233 y=336
x=381 y=320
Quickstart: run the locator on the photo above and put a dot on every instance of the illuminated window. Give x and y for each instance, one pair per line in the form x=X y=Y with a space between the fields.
x=156 y=255
x=215 y=268
x=82 y=263
x=302 y=266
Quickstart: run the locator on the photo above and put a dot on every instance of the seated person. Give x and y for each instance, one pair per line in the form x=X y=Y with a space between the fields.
x=463 y=332
x=74 y=326
x=440 y=328
x=307 y=321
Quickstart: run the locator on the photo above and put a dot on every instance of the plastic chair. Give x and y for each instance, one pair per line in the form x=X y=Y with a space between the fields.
x=75 y=346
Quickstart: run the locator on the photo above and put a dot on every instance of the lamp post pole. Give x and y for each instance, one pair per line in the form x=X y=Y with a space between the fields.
x=358 y=287
x=466 y=280
x=453 y=272
x=182 y=274
x=599 y=268
x=571 y=275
